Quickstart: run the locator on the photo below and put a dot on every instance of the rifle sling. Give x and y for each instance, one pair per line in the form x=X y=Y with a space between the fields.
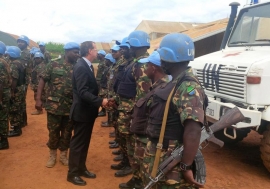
x=161 y=136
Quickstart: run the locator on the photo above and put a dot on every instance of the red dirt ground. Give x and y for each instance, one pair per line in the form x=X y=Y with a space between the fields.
x=23 y=165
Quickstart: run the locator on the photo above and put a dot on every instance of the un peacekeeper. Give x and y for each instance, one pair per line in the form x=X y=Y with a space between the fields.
x=58 y=75
x=101 y=66
x=5 y=82
x=17 y=90
x=112 y=113
x=103 y=90
x=47 y=56
x=127 y=59
x=38 y=69
x=140 y=114
x=23 y=42
x=185 y=116
x=32 y=51
x=134 y=85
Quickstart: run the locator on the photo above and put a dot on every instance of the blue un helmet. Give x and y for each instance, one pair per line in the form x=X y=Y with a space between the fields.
x=176 y=47
x=2 y=48
x=41 y=44
x=110 y=57
x=71 y=45
x=38 y=55
x=13 y=52
x=124 y=43
x=139 y=39
x=102 y=52
x=34 y=50
x=24 y=38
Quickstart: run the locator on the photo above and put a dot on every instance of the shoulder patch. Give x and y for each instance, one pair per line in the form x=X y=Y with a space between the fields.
x=191 y=90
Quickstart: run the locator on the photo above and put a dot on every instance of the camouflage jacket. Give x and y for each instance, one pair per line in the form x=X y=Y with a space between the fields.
x=35 y=75
x=47 y=57
x=27 y=63
x=143 y=84
x=58 y=76
x=17 y=71
x=5 y=77
x=189 y=99
x=100 y=70
x=111 y=77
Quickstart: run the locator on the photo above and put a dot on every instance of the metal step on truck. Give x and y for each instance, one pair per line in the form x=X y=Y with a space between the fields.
x=239 y=75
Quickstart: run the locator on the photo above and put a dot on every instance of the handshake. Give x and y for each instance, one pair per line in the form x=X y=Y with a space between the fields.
x=109 y=103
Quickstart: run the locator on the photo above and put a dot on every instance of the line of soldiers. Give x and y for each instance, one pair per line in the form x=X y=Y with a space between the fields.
x=138 y=88
x=17 y=63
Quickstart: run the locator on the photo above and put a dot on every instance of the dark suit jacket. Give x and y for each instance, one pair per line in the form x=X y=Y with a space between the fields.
x=85 y=93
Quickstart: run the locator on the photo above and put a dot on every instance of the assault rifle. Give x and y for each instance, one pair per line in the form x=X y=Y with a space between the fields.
x=231 y=117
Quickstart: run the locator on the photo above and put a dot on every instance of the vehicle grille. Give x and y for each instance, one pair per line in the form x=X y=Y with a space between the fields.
x=224 y=82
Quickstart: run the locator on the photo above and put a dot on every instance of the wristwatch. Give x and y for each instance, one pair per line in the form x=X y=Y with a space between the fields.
x=185 y=167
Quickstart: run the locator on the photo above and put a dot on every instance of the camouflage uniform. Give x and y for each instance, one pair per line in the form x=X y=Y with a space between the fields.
x=188 y=102
x=5 y=81
x=100 y=70
x=28 y=64
x=35 y=80
x=125 y=108
x=58 y=75
x=47 y=57
x=16 y=109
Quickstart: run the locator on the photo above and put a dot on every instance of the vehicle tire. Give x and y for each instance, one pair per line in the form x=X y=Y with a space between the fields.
x=265 y=148
x=240 y=135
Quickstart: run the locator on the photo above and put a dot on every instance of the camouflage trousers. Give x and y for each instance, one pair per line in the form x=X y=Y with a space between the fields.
x=124 y=134
x=16 y=108
x=4 y=112
x=60 y=131
x=174 y=179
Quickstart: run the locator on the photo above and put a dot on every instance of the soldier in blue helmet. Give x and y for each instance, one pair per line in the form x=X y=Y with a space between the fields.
x=58 y=76
x=23 y=42
x=5 y=82
x=47 y=56
x=17 y=90
x=101 y=67
x=185 y=118
x=38 y=69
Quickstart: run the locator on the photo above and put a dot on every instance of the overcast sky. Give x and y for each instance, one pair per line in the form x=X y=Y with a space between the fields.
x=101 y=20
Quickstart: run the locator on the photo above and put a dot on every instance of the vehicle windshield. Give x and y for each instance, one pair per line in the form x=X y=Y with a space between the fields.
x=252 y=27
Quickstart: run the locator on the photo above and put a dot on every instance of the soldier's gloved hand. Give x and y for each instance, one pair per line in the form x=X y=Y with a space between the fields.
x=38 y=105
x=188 y=175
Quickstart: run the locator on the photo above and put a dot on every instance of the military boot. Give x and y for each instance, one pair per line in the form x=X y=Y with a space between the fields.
x=102 y=113
x=63 y=158
x=37 y=112
x=118 y=158
x=52 y=159
x=17 y=131
x=133 y=183
x=127 y=170
x=118 y=166
x=4 y=142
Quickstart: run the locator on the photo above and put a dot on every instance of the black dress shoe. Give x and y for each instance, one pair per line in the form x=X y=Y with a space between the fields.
x=115 y=145
x=76 y=180
x=116 y=152
x=118 y=158
x=112 y=142
x=127 y=170
x=87 y=174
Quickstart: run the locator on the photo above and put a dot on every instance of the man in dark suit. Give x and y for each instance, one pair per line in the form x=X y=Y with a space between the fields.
x=83 y=113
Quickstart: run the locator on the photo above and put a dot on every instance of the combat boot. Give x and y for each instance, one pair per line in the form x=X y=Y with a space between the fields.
x=116 y=152
x=118 y=166
x=118 y=158
x=17 y=131
x=52 y=159
x=133 y=183
x=127 y=170
x=4 y=142
x=102 y=113
x=63 y=158
x=37 y=112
